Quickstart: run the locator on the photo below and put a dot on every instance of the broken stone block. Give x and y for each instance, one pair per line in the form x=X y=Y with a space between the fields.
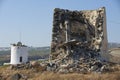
x=64 y=71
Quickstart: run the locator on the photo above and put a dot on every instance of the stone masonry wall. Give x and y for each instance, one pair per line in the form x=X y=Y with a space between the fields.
x=78 y=40
x=78 y=33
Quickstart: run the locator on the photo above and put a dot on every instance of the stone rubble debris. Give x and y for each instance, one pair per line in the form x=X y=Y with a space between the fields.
x=78 y=39
x=29 y=65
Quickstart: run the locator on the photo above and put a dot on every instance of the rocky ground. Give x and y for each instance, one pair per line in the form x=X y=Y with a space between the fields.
x=37 y=72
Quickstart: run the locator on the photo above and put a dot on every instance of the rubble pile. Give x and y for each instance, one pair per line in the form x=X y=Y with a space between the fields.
x=79 y=66
x=78 y=39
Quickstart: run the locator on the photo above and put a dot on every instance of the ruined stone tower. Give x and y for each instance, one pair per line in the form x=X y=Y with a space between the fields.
x=78 y=33
x=79 y=39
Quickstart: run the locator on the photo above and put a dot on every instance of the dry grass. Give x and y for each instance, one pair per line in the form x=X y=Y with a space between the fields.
x=36 y=74
x=76 y=76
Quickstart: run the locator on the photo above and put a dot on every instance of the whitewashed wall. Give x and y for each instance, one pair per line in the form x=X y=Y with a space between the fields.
x=17 y=52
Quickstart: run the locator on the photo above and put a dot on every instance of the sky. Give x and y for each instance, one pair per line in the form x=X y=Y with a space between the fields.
x=30 y=21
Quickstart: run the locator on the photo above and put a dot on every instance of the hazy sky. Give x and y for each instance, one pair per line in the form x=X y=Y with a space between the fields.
x=33 y=18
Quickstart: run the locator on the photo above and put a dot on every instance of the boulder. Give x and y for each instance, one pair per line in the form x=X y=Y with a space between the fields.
x=16 y=76
x=34 y=64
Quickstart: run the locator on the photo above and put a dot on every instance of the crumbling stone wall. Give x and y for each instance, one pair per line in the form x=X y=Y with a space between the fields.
x=78 y=40
x=78 y=34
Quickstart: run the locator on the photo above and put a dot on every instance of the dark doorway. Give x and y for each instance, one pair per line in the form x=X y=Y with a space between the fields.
x=21 y=59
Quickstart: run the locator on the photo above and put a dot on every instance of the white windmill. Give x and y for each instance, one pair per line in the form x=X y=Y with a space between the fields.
x=19 y=53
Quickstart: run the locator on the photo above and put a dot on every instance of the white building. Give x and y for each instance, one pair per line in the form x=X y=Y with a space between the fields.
x=19 y=53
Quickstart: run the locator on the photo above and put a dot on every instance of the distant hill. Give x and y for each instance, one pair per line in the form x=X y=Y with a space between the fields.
x=113 y=45
x=39 y=53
